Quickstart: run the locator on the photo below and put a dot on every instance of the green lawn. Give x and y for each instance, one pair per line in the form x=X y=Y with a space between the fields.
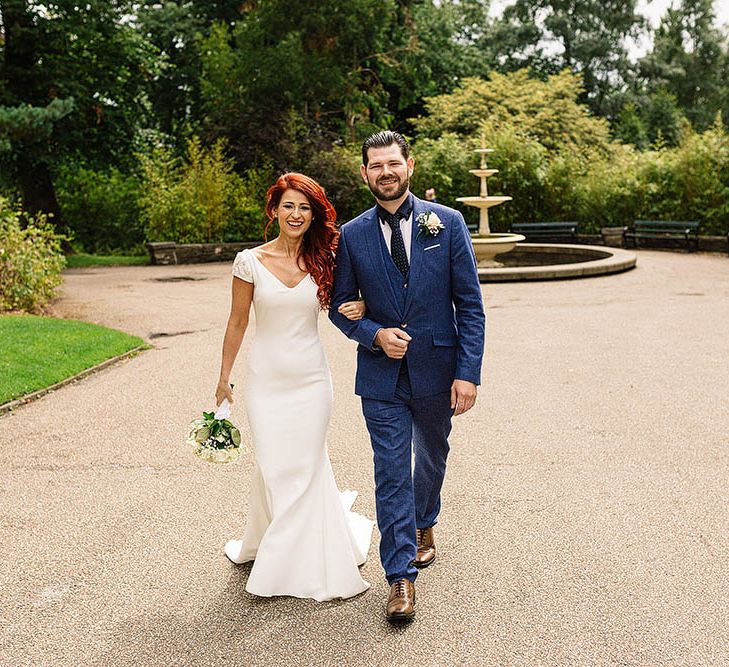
x=82 y=260
x=36 y=352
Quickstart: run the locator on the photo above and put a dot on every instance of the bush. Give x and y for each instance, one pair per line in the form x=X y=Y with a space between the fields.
x=688 y=182
x=443 y=164
x=101 y=208
x=249 y=219
x=201 y=199
x=337 y=170
x=699 y=183
x=521 y=161
x=604 y=186
x=30 y=261
x=608 y=194
x=548 y=111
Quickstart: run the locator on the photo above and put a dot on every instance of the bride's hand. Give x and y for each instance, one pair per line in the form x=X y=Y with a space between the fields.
x=223 y=390
x=353 y=310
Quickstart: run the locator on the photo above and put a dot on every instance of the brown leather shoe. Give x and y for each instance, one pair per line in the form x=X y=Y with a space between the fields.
x=426 y=547
x=401 y=603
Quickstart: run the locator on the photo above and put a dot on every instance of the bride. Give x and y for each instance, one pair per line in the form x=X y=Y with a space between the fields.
x=300 y=534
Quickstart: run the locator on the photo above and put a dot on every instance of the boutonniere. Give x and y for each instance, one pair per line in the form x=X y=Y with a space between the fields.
x=429 y=224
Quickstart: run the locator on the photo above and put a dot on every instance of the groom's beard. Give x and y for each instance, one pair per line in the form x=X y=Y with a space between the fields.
x=390 y=194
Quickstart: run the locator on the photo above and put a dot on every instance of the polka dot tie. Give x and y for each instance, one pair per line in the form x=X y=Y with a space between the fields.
x=397 y=245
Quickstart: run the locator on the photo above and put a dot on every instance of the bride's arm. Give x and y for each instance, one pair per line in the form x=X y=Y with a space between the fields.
x=234 y=332
x=353 y=310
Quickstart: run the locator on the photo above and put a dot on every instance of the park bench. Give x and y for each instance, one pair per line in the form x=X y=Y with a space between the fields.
x=546 y=231
x=663 y=229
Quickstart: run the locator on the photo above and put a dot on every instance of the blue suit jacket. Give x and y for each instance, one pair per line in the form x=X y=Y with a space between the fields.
x=443 y=310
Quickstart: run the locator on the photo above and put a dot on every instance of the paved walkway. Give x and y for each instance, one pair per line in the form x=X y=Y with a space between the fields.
x=585 y=519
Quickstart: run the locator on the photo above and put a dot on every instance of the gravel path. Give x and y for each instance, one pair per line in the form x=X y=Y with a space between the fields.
x=585 y=518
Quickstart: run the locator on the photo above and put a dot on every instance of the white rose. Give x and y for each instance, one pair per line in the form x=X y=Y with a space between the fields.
x=434 y=224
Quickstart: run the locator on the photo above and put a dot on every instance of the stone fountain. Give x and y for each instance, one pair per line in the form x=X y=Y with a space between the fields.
x=485 y=244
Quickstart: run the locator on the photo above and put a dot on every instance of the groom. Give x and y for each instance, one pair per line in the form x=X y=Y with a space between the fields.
x=419 y=354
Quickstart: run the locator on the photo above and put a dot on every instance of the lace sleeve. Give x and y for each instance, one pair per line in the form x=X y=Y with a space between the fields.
x=242 y=267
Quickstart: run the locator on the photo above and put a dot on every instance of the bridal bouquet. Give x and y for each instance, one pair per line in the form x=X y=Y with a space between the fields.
x=213 y=437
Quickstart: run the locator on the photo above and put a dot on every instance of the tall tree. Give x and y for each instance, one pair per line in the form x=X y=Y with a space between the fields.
x=71 y=84
x=441 y=42
x=689 y=60
x=176 y=29
x=586 y=36
x=286 y=74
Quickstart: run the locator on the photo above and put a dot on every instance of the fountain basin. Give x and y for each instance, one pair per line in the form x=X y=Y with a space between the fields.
x=556 y=261
x=487 y=246
x=484 y=202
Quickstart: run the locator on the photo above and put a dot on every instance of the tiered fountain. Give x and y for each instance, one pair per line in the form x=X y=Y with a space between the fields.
x=486 y=244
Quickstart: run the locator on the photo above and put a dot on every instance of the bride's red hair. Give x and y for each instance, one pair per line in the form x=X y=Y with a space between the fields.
x=321 y=239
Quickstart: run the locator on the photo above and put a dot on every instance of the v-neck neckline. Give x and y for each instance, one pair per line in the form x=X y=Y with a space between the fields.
x=278 y=280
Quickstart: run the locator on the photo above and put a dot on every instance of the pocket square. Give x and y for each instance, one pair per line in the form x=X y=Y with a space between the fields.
x=430 y=247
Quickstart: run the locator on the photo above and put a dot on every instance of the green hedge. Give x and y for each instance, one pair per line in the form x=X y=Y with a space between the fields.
x=101 y=208
x=609 y=186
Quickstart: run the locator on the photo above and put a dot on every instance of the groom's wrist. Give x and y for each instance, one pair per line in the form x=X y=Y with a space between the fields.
x=375 y=346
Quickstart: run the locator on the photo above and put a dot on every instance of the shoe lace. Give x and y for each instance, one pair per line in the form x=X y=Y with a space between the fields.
x=420 y=535
x=400 y=588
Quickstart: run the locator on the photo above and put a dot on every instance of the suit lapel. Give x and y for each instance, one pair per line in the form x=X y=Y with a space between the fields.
x=416 y=252
x=376 y=252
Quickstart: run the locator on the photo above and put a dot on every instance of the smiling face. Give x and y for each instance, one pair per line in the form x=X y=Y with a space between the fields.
x=294 y=214
x=387 y=172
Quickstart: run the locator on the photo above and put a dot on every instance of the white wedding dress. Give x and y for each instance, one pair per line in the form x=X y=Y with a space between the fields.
x=300 y=534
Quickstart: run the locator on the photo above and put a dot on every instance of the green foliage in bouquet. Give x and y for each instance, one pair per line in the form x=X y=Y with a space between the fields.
x=214 y=440
x=30 y=261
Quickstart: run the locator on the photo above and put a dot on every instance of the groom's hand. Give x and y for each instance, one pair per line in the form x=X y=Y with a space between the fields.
x=394 y=342
x=463 y=396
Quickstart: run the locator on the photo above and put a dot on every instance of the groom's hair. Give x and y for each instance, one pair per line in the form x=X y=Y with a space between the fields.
x=383 y=140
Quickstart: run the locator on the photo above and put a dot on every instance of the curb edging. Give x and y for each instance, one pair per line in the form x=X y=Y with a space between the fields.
x=29 y=398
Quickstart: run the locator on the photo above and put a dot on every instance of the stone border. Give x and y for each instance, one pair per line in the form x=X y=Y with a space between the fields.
x=196 y=253
x=34 y=396
x=617 y=260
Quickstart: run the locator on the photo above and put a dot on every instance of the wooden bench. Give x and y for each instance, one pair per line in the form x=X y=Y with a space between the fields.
x=663 y=229
x=544 y=231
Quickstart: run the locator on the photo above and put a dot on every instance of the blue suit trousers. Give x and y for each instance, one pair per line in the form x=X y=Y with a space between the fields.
x=407 y=497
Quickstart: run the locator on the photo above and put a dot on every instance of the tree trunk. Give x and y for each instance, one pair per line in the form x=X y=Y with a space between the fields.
x=36 y=186
x=39 y=195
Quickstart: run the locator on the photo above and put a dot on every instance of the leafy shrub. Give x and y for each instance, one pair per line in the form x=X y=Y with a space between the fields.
x=101 y=208
x=337 y=170
x=30 y=261
x=547 y=111
x=201 y=199
x=248 y=219
x=521 y=161
x=699 y=184
x=608 y=193
x=688 y=182
x=443 y=164
x=604 y=186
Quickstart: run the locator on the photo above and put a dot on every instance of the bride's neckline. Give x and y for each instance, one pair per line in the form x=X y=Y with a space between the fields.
x=275 y=276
